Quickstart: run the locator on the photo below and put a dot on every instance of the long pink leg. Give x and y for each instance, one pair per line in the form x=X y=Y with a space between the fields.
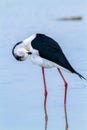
x=65 y=84
x=45 y=88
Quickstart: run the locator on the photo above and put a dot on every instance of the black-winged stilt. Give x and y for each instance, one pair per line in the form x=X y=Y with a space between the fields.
x=45 y=52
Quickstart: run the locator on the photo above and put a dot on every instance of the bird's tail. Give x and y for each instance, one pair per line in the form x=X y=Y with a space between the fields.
x=81 y=77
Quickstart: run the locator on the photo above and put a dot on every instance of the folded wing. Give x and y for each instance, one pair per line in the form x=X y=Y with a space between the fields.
x=50 y=50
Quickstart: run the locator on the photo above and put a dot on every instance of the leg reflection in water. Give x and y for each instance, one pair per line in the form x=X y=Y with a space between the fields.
x=46 y=115
x=66 y=118
x=45 y=112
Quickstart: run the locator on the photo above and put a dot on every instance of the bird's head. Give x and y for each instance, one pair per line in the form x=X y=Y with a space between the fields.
x=20 y=51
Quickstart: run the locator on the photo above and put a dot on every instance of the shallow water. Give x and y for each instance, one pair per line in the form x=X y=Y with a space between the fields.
x=21 y=84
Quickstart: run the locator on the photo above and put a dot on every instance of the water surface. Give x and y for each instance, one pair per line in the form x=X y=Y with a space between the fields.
x=21 y=83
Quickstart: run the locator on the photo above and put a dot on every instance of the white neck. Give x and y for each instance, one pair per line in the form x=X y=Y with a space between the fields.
x=29 y=39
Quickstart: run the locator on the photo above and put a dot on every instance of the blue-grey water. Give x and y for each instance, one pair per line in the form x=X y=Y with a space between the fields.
x=21 y=84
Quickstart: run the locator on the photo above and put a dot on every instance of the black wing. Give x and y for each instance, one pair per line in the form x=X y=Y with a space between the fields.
x=50 y=50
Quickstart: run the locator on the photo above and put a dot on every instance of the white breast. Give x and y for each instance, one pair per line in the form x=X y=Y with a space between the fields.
x=36 y=59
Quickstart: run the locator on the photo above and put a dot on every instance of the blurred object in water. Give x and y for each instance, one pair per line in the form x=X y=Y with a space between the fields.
x=75 y=18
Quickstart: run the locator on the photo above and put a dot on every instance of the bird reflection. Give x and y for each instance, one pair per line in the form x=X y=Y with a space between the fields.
x=66 y=118
x=45 y=112
x=46 y=115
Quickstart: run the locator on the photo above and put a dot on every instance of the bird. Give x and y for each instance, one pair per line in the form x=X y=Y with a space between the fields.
x=47 y=53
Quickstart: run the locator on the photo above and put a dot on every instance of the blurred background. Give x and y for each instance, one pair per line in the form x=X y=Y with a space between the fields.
x=21 y=84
